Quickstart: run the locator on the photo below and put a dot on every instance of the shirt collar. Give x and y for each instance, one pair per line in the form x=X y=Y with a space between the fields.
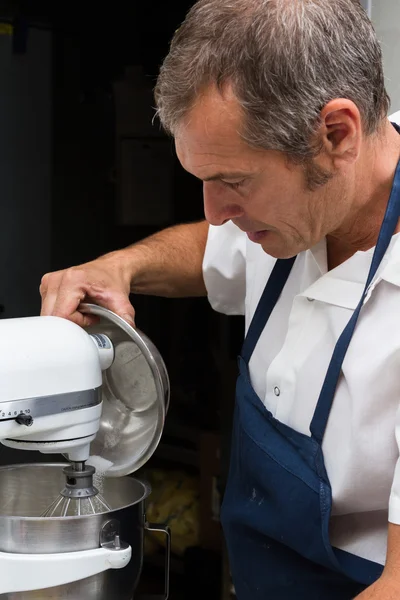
x=344 y=285
x=391 y=269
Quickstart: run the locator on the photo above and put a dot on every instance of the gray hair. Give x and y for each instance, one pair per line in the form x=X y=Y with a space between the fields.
x=286 y=59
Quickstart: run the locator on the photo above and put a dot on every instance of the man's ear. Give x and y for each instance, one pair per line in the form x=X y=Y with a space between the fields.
x=341 y=131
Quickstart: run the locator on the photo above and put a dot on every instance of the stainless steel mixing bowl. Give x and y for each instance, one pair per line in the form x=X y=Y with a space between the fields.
x=25 y=491
x=135 y=396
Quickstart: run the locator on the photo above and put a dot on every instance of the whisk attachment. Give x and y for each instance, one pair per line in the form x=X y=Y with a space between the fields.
x=79 y=496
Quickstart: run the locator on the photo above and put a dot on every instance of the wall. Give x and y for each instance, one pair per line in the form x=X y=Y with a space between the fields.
x=386 y=18
x=25 y=172
x=25 y=182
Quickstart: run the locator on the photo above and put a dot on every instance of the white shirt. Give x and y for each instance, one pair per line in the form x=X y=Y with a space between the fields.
x=291 y=359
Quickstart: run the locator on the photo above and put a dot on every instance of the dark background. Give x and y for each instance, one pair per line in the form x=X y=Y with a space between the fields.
x=85 y=170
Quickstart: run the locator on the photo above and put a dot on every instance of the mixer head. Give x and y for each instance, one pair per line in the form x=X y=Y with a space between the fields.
x=79 y=496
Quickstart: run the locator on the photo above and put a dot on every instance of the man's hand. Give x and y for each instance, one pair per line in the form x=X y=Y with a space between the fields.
x=168 y=264
x=105 y=282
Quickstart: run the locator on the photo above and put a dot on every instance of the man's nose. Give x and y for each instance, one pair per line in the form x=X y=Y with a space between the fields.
x=218 y=205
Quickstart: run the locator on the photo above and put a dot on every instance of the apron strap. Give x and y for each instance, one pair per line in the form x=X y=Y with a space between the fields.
x=269 y=298
x=325 y=401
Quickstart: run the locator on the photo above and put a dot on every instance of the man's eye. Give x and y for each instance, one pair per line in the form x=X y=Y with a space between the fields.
x=235 y=185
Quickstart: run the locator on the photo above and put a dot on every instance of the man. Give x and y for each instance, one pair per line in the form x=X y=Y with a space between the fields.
x=279 y=106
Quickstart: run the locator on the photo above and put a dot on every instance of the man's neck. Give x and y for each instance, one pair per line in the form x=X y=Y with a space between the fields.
x=375 y=178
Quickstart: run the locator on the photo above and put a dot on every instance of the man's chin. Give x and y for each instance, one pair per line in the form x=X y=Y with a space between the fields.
x=274 y=246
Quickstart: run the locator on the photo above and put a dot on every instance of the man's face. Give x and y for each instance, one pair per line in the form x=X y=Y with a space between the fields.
x=260 y=191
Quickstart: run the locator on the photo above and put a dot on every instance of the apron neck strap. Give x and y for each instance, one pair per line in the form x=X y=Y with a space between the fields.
x=325 y=401
x=266 y=305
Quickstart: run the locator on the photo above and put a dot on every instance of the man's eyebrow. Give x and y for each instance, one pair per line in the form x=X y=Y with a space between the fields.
x=219 y=176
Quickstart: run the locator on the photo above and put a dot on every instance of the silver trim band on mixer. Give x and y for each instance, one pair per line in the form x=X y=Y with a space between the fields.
x=43 y=406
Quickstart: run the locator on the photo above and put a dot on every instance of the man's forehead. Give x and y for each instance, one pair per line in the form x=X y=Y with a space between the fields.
x=215 y=119
x=209 y=143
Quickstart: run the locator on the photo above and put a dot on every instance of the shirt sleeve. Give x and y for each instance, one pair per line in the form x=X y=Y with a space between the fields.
x=394 y=502
x=224 y=269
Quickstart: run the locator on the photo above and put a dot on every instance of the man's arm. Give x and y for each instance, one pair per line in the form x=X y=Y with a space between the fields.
x=388 y=585
x=168 y=263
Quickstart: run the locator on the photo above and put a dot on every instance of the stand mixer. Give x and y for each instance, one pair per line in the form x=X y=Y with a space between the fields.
x=51 y=402
x=61 y=392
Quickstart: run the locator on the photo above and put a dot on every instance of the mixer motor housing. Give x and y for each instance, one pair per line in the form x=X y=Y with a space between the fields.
x=51 y=374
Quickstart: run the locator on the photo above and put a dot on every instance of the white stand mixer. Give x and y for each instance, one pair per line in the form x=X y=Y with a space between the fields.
x=50 y=393
x=51 y=400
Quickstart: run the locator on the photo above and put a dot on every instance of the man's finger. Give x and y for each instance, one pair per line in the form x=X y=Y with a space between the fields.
x=66 y=305
x=71 y=292
x=119 y=304
x=49 y=291
x=83 y=320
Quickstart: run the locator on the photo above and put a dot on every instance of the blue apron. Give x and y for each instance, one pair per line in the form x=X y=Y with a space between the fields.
x=278 y=500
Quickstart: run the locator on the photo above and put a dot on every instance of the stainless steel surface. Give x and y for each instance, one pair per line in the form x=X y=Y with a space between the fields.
x=135 y=396
x=64 y=506
x=78 y=465
x=24 y=494
x=109 y=532
x=110 y=537
x=49 y=405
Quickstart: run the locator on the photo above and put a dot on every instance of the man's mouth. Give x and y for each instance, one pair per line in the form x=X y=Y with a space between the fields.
x=257 y=236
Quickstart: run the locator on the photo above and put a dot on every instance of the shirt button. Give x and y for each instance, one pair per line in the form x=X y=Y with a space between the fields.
x=277 y=391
